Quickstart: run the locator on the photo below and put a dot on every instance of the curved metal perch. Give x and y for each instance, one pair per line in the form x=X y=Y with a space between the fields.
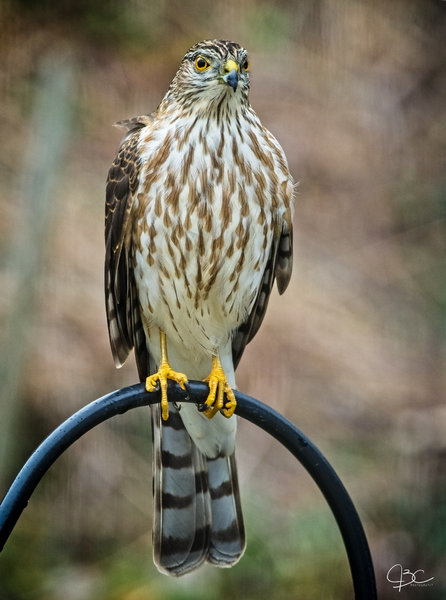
x=260 y=414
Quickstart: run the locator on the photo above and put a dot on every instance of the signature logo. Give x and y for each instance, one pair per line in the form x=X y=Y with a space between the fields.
x=402 y=577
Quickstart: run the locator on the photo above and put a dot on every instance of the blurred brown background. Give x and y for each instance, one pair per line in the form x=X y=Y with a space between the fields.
x=354 y=352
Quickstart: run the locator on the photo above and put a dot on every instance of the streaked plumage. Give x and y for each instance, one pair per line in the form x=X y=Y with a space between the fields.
x=198 y=226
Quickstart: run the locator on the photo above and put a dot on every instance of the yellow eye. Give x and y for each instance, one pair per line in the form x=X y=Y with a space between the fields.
x=201 y=64
x=245 y=65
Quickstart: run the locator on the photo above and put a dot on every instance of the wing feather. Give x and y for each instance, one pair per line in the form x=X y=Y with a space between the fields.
x=122 y=307
x=279 y=268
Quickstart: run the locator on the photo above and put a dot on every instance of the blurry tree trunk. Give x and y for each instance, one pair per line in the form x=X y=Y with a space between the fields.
x=48 y=139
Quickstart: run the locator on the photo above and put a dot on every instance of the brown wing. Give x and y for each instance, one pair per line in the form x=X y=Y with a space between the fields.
x=279 y=267
x=121 y=301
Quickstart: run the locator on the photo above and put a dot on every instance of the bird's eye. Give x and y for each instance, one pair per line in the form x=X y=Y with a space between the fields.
x=201 y=64
x=245 y=65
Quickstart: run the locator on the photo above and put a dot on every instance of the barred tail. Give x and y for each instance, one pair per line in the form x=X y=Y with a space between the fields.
x=197 y=514
x=227 y=536
x=181 y=519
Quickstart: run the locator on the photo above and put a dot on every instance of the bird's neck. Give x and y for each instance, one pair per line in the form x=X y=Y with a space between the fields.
x=224 y=106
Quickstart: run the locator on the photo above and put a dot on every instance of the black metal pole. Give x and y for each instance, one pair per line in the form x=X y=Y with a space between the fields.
x=260 y=414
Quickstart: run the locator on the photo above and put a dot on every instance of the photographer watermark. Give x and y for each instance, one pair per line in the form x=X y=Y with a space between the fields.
x=404 y=577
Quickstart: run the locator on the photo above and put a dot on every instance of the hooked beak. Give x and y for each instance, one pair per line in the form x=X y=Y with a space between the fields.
x=231 y=74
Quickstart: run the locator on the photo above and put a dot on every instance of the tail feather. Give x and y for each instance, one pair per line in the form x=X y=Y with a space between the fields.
x=197 y=514
x=181 y=510
x=227 y=536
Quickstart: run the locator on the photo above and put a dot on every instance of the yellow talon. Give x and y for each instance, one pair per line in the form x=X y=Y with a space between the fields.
x=164 y=373
x=218 y=388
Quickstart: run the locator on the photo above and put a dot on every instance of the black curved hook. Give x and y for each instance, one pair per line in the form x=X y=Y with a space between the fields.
x=249 y=408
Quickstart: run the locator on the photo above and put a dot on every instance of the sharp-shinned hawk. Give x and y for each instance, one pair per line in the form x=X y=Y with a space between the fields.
x=198 y=227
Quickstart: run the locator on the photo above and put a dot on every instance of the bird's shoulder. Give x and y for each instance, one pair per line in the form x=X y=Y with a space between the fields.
x=123 y=175
x=135 y=123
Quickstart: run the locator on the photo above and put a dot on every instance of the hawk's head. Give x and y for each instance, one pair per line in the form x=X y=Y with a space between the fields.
x=210 y=71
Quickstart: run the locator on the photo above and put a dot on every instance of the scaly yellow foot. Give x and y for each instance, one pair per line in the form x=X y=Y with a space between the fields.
x=218 y=388
x=164 y=373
